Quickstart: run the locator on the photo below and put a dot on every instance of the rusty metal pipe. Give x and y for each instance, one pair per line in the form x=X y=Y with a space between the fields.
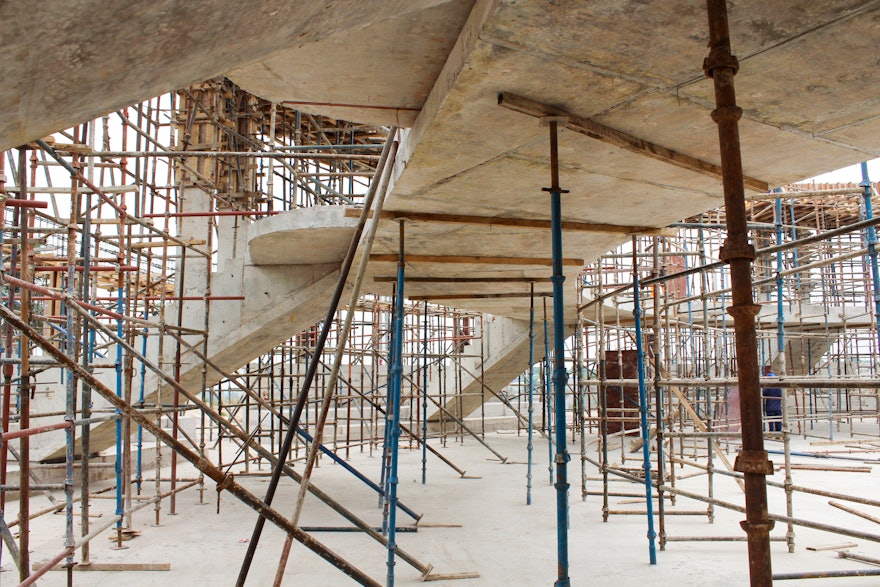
x=721 y=66
x=313 y=365
x=223 y=480
x=24 y=389
x=46 y=568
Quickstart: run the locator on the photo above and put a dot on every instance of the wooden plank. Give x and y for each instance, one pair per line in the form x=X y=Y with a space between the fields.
x=840 y=546
x=854 y=511
x=111 y=567
x=354 y=212
x=392 y=279
x=110 y=221
x=160 y=244
x=450 y=576
x=620 y=139
x=474 y=260
x=477 y=296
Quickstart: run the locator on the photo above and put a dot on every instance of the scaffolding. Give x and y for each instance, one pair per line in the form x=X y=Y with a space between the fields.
x=113 y=230
x=815 y=282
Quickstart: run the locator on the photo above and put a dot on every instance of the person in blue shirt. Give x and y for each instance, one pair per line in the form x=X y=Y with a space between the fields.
x=772 y=404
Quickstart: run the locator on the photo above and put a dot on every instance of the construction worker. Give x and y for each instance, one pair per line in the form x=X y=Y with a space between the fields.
x=772 y=404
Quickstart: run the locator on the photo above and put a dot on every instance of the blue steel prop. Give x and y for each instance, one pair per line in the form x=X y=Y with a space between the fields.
x=120 y=309
x=872 y=244
x=394 y=410
x=531 y=444
x=545 y=385
x=559 y=373
x=643 y=409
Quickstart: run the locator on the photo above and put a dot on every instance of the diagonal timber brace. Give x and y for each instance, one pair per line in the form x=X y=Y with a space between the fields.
x=238 y=433
x=223 y=480
x=628 y=142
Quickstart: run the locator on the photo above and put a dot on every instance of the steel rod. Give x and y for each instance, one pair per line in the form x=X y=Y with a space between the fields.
x=560 y=376
x=390 y=521
x=531 y=424
x=643 y=410
x=721 y=66
x=223 y=480
x=290 y=433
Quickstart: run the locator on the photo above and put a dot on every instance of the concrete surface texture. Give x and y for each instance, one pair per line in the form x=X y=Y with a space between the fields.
x=634 y=67
x=490 y=364
x=807 y=86
x=70 y=62
x=378 y=74
x=285 y=294
x=483 y=526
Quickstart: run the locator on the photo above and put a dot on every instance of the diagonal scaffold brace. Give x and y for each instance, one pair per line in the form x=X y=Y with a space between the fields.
x=223 y=480
x=290 y=433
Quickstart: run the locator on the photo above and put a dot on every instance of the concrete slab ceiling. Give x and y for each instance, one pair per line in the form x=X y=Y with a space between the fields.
x=69 y=62
x=635 y=67
x=808 y=86
x=378 y=74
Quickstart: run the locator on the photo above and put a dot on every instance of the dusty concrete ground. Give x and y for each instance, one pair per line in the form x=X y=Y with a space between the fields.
x=505 y=541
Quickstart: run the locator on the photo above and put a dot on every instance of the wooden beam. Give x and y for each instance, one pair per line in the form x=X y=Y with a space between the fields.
x=392 y=279
x=474 y=260
x=353 y=212
x=111 y=567
x=620 y=139
x=158 y=244
x=479 y=296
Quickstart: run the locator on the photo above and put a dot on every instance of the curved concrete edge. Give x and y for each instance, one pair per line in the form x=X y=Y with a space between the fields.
x=306 y=236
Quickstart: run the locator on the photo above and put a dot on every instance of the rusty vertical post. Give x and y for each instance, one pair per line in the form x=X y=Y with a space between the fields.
x=7 y=369
x=752 y=461
x=24 y=417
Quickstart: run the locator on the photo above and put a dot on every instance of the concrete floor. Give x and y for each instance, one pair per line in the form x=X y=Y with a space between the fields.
x=500 y=537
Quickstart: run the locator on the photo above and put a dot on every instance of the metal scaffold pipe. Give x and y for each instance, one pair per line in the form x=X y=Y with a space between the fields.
x=394 y=409
x=559 y=373
x=871 y=238
x=531 y=444
x=290 y=433
x=223 y=480
x=818 y=237
x=425 y=397
x=658 y=398
x=643 y=410
x=780 y=352
x=721 y=66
